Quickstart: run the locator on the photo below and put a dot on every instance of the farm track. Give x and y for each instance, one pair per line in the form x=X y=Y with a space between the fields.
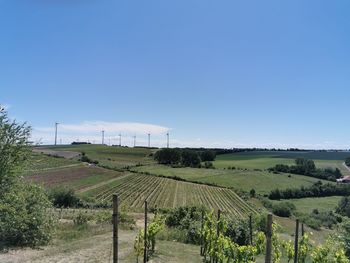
x=134 y=189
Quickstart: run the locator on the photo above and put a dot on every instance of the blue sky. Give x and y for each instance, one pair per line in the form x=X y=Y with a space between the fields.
x=214 y=73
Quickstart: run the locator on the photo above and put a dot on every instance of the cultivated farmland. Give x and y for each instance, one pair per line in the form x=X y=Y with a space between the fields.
x=262 y=181
x=134 y=189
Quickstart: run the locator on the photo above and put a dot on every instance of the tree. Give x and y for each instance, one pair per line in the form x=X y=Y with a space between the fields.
x=24 y=219
x=208 y=156
x=168 y=156
x=347 y=161
x=344 y=206
x=190 y=159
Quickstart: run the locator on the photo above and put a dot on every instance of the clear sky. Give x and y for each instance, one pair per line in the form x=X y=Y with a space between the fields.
x=214 y=73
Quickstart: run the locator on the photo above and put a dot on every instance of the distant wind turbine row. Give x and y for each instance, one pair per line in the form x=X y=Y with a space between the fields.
x=120 y=138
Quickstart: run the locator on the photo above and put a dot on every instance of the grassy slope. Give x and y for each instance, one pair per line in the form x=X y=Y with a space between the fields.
x=264 y=160
x=306 y=205
x=263 y=182
x=117 y=157
x=41 y=162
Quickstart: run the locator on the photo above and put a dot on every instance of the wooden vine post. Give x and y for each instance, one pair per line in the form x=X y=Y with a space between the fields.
x=296 y=241
x=115 y=228
x=250 y=229
x=202 y=239
x=145 y=236
x=268 y=239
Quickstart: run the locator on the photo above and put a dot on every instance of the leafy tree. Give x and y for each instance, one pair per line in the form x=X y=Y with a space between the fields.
x=168 y=156
x=190 y=159
x=23 y=207
x=208 y=156
x=344 y=206
x=347 y=161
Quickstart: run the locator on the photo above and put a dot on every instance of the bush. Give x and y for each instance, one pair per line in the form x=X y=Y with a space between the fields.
x=344 y=206
x=283 y=209
x=63 y=197
x=190 y=159
x=252 y=192
x=208 y=156
x=24 y=220
x=82 y=219
x=168 y=156
x=209 y=165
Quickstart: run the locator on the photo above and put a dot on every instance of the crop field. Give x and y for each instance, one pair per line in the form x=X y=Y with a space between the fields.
x=115 y=157
x=77 y=178
x=262 y=181
x=264 y=160
x=41 y=162
x=134 y=189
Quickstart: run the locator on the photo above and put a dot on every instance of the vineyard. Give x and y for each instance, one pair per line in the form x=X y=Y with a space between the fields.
x=134 y=189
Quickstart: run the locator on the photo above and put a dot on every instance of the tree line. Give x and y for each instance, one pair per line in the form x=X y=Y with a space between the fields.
x=307 y=167
x=318 y=189
x=184 y=157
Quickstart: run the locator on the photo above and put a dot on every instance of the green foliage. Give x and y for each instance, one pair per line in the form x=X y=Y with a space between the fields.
x=82 y=219
x=347 y=161
x=318 y=189
x=153 y=229
x=63 y=197
x=24 y=220
x=283 y=209
x=190 y=159
x=14 y=150
x=344 y=206
x=187 y=219
x=308 y=168
x=208 y=156
x=208 y=165
x=168 y=156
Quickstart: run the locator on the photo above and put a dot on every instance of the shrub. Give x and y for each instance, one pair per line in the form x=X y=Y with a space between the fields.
x=63 y=197
x=24 y=220
x=283 y=209
x=208 y=165
x=252 y=192
x=208 y=156
x=82 y=219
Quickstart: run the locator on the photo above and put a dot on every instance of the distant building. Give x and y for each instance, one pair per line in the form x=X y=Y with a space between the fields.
x=344 y=180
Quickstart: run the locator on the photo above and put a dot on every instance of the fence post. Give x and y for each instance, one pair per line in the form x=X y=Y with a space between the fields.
x=251 y=229
x=202 y=224
x=302 y=230
x=296 y=241
x=217 y=231
x=145 y=236
x=268 y=239
x=115 y=228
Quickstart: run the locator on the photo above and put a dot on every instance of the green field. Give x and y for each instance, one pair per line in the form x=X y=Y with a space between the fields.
x=322 y=204
x=133 y=189
x=264 y=160
x=41 y=162
x=112 y=156
x=262 y=181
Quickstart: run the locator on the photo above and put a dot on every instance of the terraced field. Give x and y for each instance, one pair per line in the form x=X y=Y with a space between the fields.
x=134 y=189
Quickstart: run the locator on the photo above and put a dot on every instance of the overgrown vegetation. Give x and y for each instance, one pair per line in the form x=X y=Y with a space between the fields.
x=23 y=220
x=307 y=167
x=316 y=190
x=347 y=162
x=185 y=158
